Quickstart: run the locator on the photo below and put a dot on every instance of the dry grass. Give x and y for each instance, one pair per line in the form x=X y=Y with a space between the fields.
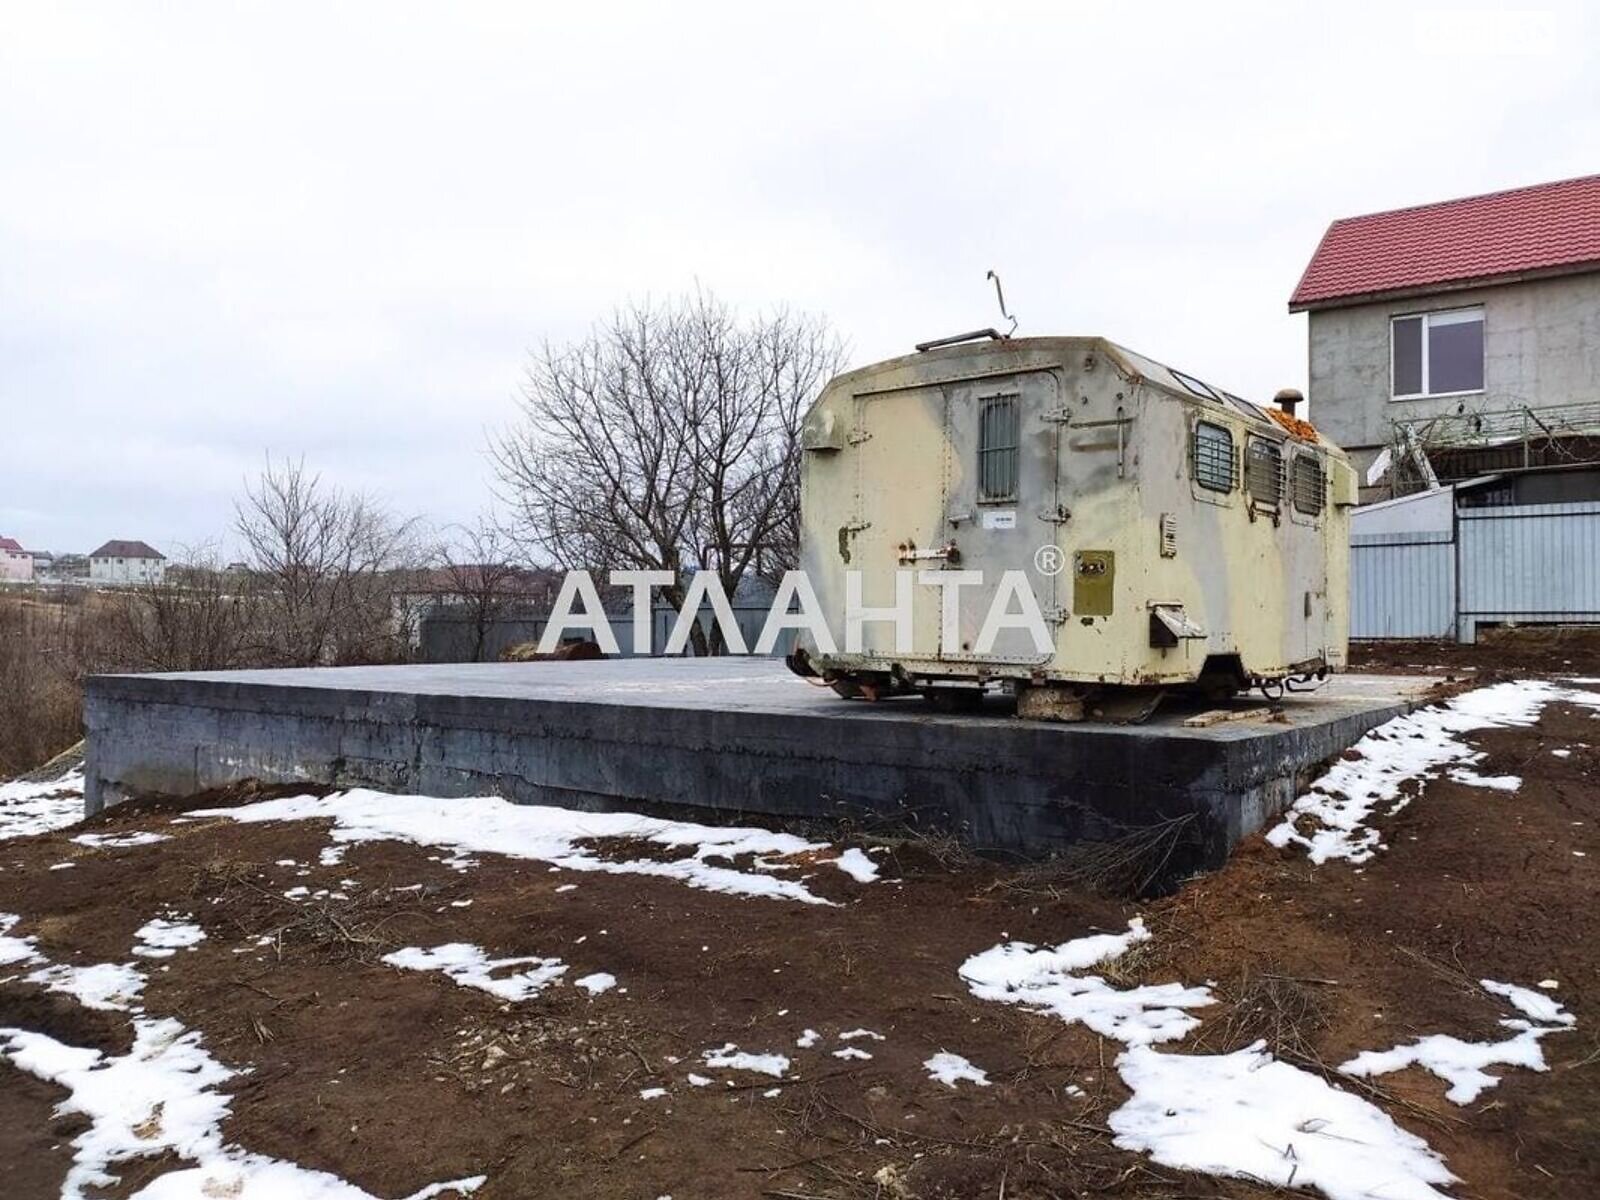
x=336 y=928
x=41 y=662
x=1123 y=868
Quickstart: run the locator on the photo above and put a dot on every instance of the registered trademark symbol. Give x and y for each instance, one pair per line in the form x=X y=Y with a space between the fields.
x=1048 y=560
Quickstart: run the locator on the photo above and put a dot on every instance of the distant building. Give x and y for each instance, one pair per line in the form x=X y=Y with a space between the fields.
x=121 y=562
x=1461 y=338
x=66 y=568
x=16 y=564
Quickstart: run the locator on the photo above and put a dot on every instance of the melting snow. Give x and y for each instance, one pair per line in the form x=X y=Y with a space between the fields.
x=950 y=1069
x=652 y=1093
x=160 y=1099
x=852 y=1052
x=114 y=986
x=599 y=982
x=1500 y=783
x=470 y=966
x=805 y=1041
x=162 y=938
x=857 y=865
x=850 y=1035
x=16 y=949
x=1461 y=1064
x=732 y=1057
x=1249 y=1116
x=1416 y=746
x=1044 y=979
x=488 y=824
x=120 y=841
x=30 y=808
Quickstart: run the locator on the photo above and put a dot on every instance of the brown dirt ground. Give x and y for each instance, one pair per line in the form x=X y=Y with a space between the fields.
x=1498 y=653
x=396 y=1079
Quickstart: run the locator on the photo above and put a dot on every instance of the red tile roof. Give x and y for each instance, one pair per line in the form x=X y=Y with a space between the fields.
x=10 y=544
x=1545 y=229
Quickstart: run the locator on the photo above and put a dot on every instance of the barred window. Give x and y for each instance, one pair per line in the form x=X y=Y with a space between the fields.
x=1310 y=484
x=1213 y=457
x=997 y=448
x=1263 y=472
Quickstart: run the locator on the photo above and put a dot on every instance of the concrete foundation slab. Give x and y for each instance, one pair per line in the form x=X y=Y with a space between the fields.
x=736 y=736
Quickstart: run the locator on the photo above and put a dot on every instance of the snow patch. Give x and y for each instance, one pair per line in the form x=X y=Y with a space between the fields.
x=732 y=1057
x=1248 y=1116
x=30 y=808
x=1414 y=747
x=1045 y=980
x=950 y=1069
x=491 y=825
x=120 y=841
x=160 y=1099
x=16 y=949
x=600 y=981
x=470 y=966
x=106 y=986
x=857 y=865
x=1462 y=1064
x=162 y=938
x=805 y=1041
x=1499 y=783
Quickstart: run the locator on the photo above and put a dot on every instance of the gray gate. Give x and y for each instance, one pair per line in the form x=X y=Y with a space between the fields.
x=1534 y=563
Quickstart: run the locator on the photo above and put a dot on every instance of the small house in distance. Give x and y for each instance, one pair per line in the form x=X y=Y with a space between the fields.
x=1457 y=339
x=124 y=562
x=16 y=564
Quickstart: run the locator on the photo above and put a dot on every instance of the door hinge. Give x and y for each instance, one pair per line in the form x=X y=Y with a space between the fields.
x=1057 y=416
x=1056 y=616
x=1059 y=515
x=857 y=436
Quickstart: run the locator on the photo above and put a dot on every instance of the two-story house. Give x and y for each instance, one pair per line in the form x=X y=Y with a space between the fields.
x=119 y=562
x=1458 y=338
x=16 y=564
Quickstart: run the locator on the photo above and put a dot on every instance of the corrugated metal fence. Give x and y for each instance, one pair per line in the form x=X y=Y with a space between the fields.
x=1534 y=563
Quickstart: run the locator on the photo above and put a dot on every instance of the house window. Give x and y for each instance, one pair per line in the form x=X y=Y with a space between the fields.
x=1213 y=457
x=1263 y=472
x=1437 y=354
x=1310 y=484
x=997 y=449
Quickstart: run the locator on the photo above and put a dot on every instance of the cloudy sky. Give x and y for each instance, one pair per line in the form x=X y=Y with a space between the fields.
x=333 y=230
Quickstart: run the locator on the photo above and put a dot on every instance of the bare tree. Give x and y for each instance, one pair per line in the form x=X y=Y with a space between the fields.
x=475 y=577
x=328 y=565
x=668 y=439
x=197 y=618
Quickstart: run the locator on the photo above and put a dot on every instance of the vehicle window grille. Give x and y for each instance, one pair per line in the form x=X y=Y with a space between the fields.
x=1213 y=457
x=1263 y=472
x=998 y=430
x=1310 y=484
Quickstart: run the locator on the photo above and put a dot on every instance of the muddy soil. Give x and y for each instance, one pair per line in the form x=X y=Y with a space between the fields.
x=395 y=1079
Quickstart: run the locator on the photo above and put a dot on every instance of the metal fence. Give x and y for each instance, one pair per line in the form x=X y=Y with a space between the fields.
x=1530 y=564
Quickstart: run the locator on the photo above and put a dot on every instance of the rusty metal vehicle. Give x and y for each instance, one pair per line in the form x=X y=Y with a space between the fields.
x=1172 y=534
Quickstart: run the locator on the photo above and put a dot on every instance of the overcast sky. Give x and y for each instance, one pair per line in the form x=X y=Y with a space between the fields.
x=334 y=230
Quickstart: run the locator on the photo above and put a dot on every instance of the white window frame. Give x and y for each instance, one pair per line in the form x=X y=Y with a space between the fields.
x=1444 y=316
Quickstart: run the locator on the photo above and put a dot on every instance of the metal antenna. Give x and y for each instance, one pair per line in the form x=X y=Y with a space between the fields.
x=1001 y=296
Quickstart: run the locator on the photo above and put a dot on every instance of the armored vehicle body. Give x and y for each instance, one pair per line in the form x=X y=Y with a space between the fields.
x=1170 y=534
